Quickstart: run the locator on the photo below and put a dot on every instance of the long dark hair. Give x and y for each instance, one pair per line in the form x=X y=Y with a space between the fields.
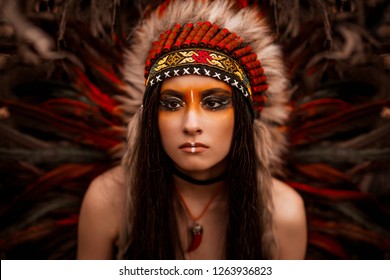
x=153 y=232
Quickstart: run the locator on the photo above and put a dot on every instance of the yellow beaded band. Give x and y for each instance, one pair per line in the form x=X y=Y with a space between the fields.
x=200 y=61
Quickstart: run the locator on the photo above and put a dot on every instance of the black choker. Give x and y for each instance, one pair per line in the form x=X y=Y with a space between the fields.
x=195 y=181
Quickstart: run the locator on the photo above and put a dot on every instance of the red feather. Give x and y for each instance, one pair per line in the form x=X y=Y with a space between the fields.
x=328 y=193
x=328 y=244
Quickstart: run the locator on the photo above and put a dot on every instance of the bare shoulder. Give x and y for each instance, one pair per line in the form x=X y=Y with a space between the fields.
x=288 y=203
x=100 y=215
x=290 y=221
x=107 y=190
x=109 y=184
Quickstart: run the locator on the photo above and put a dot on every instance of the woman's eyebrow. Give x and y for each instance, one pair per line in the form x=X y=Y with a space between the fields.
x=172 y=92
x=212 y=91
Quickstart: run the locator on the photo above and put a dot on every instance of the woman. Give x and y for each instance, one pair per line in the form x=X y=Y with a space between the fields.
x=196 y=180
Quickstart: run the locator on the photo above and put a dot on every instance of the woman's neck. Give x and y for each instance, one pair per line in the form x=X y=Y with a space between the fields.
x=192 y=191
x=210 y=179
x=198 y=178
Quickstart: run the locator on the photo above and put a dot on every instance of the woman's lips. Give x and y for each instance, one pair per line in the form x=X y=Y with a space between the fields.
x=193 y=147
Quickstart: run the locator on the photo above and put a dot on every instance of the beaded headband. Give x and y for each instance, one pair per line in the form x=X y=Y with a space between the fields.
x=206 y=49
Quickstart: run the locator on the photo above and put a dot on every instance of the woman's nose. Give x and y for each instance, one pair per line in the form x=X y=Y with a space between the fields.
x=192 y=121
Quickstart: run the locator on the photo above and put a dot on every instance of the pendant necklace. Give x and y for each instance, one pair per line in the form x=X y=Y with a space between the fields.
x=196 y=229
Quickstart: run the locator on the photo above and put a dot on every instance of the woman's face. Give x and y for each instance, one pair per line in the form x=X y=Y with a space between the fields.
x=196 y=121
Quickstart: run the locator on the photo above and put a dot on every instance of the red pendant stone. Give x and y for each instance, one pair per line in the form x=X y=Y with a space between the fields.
x=196 y=231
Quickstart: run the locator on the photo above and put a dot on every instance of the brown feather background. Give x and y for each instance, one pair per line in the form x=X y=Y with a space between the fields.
x=62 y=118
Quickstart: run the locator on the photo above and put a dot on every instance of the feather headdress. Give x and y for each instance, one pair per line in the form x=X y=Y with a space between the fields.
x=249 y=25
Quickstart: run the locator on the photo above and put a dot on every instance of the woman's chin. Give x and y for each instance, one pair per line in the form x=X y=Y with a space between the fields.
x=200 y=169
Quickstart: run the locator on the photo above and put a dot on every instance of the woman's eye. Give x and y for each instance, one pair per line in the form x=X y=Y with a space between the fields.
x=215 y=104
x=212 y=104
x=171 y=104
